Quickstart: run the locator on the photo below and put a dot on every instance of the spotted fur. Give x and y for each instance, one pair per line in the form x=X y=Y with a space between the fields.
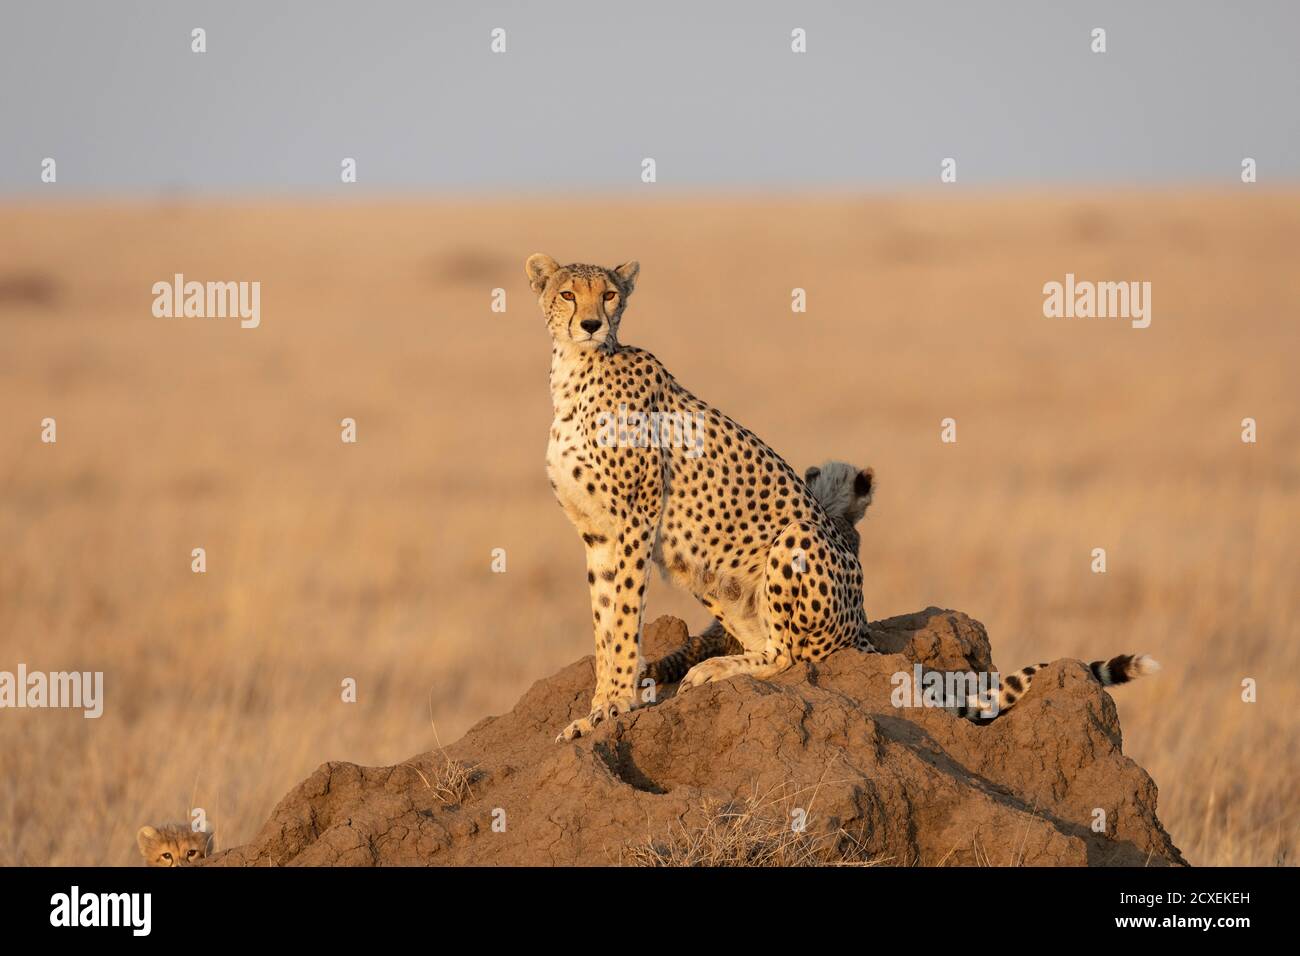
x=721 y=513
x=845 y=492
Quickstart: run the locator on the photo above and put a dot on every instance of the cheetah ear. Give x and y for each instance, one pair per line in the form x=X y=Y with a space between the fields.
x=863 y=482
x=539 y=268
x=627 y=274
x=812 y=472
x=145 y=838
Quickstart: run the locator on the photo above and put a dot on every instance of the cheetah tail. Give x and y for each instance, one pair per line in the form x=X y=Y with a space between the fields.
x=1124 y=668
x=672 y=667
x=1117 y=670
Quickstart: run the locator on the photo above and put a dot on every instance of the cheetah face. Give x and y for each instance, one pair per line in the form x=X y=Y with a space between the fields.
x=172 y=846
x=845 y=491
x=582 y=304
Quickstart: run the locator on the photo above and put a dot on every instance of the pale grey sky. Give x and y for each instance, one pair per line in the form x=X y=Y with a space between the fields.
x=110 y=89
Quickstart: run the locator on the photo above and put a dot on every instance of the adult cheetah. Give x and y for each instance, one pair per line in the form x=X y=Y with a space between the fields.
x=647 y=473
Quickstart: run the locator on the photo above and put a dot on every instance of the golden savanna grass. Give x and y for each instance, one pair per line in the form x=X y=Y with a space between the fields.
x=373 y=561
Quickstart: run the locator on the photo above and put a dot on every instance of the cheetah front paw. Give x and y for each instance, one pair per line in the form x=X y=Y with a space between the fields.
x=600 y=713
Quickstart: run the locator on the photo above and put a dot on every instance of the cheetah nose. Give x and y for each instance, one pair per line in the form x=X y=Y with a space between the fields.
x=590 y=325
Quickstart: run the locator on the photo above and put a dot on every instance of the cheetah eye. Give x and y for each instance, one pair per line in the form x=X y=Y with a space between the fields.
x=566 y=295
x=610 y=295
x=167 y=857
x=191 y=854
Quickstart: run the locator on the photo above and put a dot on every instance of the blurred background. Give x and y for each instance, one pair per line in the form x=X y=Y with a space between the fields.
x=775 y=170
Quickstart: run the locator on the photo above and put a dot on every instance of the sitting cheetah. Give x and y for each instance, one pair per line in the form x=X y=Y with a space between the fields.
x=172 y=845
x=845 y=492
x=720 y=512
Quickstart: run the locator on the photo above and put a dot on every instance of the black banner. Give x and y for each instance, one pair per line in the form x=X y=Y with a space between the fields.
x=300 y=905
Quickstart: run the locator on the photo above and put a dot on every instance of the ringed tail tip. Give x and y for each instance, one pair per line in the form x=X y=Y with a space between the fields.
x=1145 y=664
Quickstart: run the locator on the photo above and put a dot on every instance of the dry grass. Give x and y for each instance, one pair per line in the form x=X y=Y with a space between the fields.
x=452 y=781
x=758 y=831
x=373 y=561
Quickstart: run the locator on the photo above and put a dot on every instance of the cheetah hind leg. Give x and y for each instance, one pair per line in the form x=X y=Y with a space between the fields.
x=765 y=663
x=670 y=668
x=751 y=650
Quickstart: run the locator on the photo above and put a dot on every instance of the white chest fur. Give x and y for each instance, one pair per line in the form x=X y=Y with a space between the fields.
x=568 y=463
x=565 y=462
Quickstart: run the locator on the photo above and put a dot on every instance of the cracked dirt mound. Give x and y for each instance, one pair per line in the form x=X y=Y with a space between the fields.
x=820 y=743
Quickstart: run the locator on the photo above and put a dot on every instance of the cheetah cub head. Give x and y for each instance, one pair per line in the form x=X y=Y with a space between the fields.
x=844 y=490
x=172 y=845
x=582 y=304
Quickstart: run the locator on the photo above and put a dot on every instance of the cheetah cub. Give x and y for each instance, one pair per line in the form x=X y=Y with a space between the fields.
x=173 y=845
x=845 y=491
x=648 y=473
